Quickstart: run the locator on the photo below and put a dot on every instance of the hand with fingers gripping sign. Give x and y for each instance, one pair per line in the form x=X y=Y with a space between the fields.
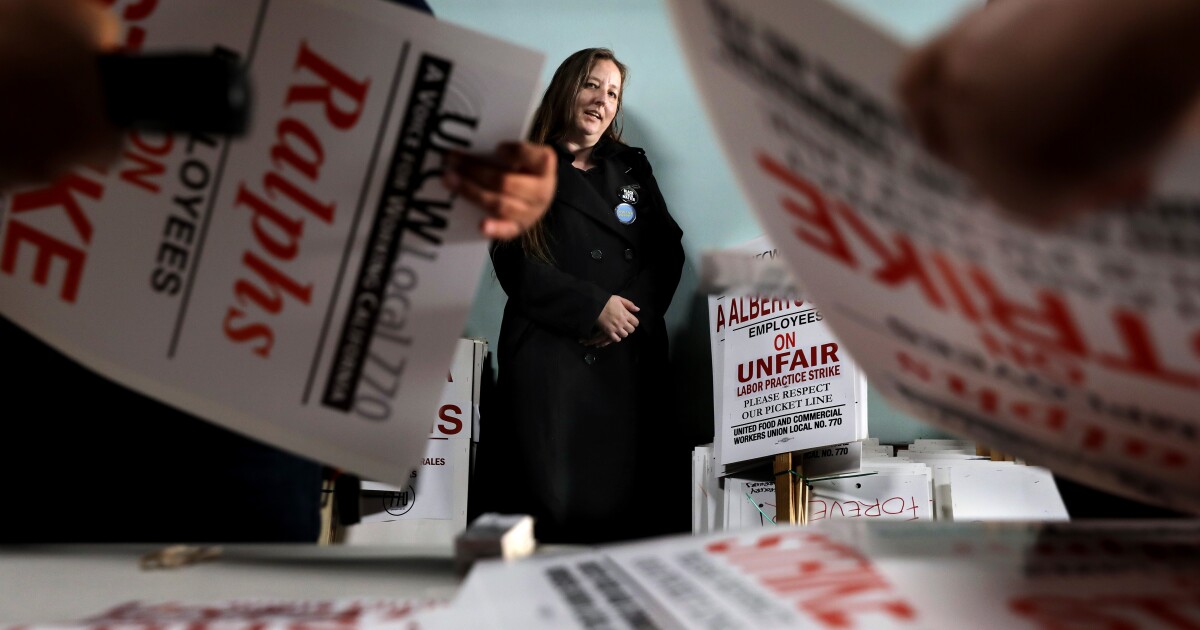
x=1054 y=109
x=514 y=185
x=52 y=116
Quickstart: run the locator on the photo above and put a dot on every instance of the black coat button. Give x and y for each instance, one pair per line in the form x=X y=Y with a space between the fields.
x=597 y=254
x=589 y=358
x=629 y=254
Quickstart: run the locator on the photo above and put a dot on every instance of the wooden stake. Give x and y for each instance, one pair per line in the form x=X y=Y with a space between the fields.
x=802 y=498
x=785 y=490
x=807 y=497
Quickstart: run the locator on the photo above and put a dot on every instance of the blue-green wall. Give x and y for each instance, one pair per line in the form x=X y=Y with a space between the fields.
x=663 y=114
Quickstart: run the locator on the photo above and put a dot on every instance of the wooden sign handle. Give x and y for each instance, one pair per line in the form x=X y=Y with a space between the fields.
x=785 y=490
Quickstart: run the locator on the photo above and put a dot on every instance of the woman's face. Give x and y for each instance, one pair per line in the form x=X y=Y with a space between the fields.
x=597 y=102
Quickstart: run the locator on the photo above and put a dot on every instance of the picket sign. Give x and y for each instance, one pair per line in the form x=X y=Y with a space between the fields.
x=783 y=385
x=432 y=508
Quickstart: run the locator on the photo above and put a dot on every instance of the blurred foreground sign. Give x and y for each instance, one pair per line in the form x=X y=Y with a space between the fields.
x=1077 y=350
x=858 y=575
x=304 y=285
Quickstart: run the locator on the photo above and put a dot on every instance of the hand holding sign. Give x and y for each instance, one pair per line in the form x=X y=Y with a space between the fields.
x=52 y=115
x=1056 y=108
x=69 y=97
x=514 y=185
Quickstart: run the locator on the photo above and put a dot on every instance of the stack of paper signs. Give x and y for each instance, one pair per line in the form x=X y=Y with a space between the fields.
x=860 y=575
x=827 y=575
x=972 y=488
x=883 y=488
x=260 y=614
x=925 y=480
x=708 y=495
x=431 y=509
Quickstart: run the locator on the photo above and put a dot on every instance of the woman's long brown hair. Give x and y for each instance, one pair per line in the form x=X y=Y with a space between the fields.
x=553 y=119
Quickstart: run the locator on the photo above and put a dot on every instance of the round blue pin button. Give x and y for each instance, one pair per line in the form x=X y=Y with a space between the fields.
x=625 y=213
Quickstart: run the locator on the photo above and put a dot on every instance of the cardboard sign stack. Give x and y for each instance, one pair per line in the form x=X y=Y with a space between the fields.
x=432 y=508
x=782 y=384
x=865 y=481
x=857 y=575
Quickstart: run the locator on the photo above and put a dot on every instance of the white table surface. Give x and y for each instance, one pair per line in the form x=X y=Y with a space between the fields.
x=40 y=584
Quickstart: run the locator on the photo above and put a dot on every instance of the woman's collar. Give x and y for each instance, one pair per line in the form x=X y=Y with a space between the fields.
x=604 y=148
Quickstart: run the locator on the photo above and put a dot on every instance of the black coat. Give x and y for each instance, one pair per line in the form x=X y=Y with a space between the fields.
x=579 y=426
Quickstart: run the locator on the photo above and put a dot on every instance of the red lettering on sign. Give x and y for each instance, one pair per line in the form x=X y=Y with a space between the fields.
x=1049 y=322
x=48 y=248
x=832 y=583
x=284 y=151
x=453 y=425
x=1043 y=321
x=819 y=229
x=135 y=35
x=1048 y=417
x=149 y=166
x=900 y=264
x=1140 y=356
x=277 y=228
x=336 y=82
x=59 y=195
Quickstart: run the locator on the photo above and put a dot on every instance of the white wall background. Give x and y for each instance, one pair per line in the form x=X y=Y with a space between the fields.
x=663 y=114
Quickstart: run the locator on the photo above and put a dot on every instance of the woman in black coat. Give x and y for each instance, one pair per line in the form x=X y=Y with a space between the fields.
x=583 y=345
